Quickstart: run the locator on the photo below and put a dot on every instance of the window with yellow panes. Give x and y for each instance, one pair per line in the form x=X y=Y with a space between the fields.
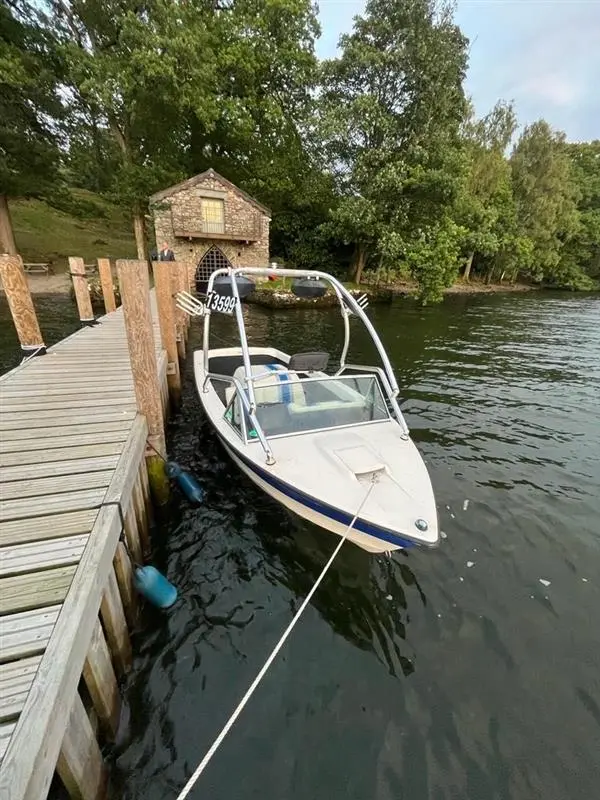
x=213 y=215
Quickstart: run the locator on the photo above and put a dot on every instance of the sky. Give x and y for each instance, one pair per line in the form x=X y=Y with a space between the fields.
x=542 y=54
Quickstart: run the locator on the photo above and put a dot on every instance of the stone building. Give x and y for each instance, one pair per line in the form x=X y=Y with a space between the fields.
x=209 y=223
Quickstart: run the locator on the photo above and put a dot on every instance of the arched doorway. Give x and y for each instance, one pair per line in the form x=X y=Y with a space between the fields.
x=213 y=259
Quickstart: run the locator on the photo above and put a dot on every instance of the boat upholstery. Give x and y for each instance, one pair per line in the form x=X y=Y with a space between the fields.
x=269 y=388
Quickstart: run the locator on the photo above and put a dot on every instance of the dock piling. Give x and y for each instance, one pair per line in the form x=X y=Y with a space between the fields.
x=135 y=297
x=82 y=293
x=106 y=283
x=168 y=332
x=21 y=305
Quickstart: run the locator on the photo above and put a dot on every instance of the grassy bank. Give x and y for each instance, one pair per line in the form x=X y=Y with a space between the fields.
x=89 y=227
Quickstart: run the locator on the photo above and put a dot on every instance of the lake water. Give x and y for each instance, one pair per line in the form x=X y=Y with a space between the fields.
x=430 y=675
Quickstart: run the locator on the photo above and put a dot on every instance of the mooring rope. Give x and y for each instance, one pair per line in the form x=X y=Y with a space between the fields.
x=37 y=350
x=228 y=725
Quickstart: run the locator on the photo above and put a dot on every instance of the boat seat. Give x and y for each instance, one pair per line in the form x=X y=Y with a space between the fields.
x=269 y=388
x=309 y=362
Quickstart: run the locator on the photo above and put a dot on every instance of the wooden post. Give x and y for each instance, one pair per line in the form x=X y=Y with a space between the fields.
x=113 y=619
x=80 y=763
x=82 y=293
x=132 y=535
x=168 y=332
x=21 y=305
x=135 y=296
x=124 y=574
x=141 y=517
x=179 y=285
x=106 y=282
x=101 y=682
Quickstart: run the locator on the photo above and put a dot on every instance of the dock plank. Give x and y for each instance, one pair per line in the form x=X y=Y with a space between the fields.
x=6 y=732
x=69 y=451
x=45 y=403
x=15 y=682
x=23 y=592
x=28 y=437
x=29 y=508
x=26 y=633
x=42 y=487
x=19 y=558
x=46 y=468
x=54 y=526
x=49 y=419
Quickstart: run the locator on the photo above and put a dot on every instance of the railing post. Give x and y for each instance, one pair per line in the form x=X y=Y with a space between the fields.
x=82 y=293
x=135 y=297
x=168 y=332
x=106 y=282
x=80 y=763
x=21 y=305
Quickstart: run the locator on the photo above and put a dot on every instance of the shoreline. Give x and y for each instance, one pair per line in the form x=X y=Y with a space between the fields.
x=61 y=284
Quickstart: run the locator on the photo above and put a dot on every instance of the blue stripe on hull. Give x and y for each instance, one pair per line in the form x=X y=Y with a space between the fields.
x=322 y=508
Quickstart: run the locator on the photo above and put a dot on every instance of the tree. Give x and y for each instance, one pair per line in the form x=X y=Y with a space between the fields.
x=545 y=197
x=132 y=67
x=184 y=86
x=391 y=109
x=30 y=109
x=581 y=255
x=485 y=208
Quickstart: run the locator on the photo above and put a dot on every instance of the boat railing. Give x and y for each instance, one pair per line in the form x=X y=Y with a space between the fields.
x=247 y=408
x=345 y=298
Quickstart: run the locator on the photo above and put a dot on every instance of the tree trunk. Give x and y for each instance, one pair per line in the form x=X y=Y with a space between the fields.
x=359 y=261
x=468 y=265
x=138 y=216
x=7 y=237
x=140 y=235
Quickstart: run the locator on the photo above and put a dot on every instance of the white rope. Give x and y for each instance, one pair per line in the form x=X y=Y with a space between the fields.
x=228 y=725
x=25 y=359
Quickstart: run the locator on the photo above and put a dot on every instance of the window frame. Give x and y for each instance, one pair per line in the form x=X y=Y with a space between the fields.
x=206 y=202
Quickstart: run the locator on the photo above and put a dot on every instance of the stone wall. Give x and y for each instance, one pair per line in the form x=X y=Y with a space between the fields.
x=182 y=212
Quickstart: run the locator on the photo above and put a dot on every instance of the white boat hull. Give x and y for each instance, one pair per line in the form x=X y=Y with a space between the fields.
x=313 y=475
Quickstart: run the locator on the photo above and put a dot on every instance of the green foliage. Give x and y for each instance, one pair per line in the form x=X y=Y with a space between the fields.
x=581 y=255
x=545 y=196
x=485 y=207
x=370 y=161
x=391 y=109
x=30 y=107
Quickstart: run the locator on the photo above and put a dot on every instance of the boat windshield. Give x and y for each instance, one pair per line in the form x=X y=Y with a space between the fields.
x=287 y=404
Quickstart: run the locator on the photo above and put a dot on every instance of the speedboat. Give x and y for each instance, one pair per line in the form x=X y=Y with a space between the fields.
x=313 y=437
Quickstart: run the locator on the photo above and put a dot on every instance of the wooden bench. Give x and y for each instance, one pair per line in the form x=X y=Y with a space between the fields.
x=46 y=269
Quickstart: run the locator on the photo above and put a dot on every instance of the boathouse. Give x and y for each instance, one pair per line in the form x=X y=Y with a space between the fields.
x=209 y=223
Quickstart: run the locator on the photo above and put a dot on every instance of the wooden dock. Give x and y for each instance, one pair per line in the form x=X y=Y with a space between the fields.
x=74 y=514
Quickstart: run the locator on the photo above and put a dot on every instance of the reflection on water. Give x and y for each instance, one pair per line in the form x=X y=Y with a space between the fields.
x=430 y=675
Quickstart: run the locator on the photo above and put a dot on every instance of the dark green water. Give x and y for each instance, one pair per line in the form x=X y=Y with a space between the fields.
x=57 y=316
x=415 y=677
